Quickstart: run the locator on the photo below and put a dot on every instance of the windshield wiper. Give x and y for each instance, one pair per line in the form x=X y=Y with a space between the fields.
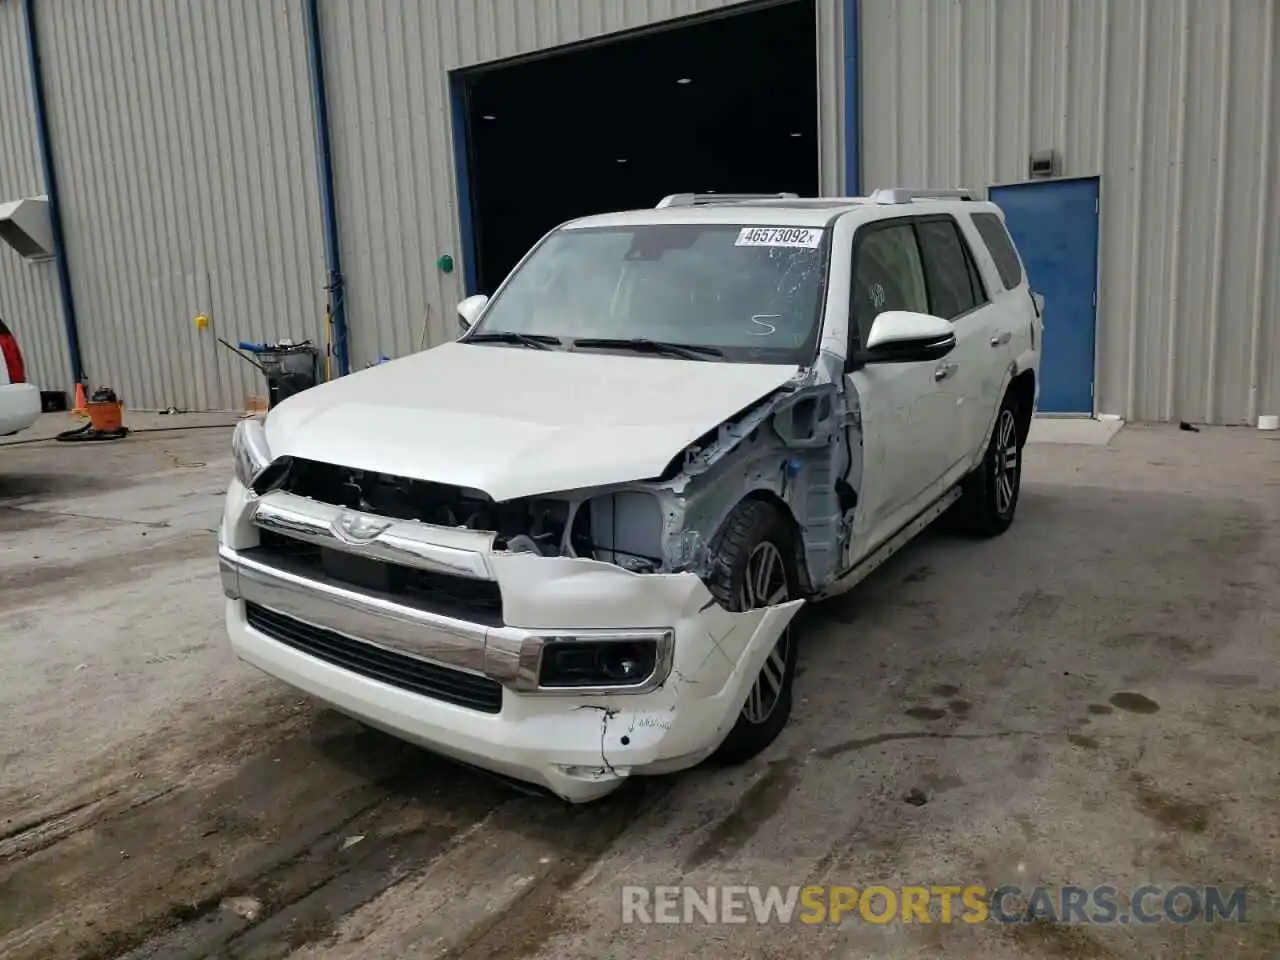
x=686 y=351
x=539 y=341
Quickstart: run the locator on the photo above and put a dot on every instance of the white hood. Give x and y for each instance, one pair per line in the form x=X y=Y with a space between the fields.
x=514 y=421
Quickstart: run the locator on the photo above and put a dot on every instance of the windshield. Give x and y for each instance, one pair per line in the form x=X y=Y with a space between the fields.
x=751 y=293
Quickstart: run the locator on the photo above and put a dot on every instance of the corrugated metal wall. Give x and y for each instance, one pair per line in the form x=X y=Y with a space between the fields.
x=1175 y=103
x=28 y=291
x=387 y=64
x=185 y=144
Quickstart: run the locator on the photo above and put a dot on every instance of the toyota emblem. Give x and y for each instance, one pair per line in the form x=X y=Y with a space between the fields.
x=359 y=527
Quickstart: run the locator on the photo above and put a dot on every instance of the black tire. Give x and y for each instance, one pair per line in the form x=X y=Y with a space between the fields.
x=990 y=492
x=757 y=534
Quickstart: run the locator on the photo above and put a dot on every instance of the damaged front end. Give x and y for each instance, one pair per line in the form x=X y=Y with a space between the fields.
x=568 y=638
x=798 y=448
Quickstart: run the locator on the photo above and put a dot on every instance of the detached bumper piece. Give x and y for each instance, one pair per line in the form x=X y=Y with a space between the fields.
x=395 y=669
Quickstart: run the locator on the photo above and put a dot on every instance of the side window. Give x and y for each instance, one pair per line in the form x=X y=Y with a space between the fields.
x=953 y=286
x=887 y=275
x=996 y=237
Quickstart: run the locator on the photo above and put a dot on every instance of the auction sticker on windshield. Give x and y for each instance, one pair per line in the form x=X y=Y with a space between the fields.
x=779 y=237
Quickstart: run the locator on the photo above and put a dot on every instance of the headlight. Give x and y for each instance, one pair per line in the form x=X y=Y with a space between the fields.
x=638 y=661
x=254 y=466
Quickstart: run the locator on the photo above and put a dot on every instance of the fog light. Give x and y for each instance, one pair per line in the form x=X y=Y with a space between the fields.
x=607 y=663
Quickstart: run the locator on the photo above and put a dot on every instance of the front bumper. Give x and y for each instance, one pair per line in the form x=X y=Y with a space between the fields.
x=578 y=744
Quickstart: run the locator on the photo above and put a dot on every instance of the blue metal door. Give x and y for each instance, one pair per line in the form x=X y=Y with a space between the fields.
x=1055 y=225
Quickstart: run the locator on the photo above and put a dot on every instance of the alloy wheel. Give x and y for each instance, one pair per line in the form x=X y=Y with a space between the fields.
x=764 y=583
x=1006 y=462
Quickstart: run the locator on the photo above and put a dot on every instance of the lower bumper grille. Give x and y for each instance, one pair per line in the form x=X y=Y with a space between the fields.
x=394 y=669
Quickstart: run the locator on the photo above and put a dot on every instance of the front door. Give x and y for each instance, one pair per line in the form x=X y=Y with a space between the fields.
x=1055 y=226
x=909 y=411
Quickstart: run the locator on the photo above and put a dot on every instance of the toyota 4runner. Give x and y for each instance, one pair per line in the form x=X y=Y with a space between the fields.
x=568 y=547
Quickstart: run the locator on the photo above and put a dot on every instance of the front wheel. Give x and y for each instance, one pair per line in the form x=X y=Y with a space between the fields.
x=756 y=567
x=990 y=492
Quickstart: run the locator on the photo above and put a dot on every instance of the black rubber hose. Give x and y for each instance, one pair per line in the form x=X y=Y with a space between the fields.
x=87 y=433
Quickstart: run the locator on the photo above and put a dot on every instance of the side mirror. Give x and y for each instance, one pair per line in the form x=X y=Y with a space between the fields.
x=469 y=311
x=900 y=336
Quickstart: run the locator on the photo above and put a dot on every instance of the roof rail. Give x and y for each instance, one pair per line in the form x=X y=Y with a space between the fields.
x=907 y=194
x=699 y=199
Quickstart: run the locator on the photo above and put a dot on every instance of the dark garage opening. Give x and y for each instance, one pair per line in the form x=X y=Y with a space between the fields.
x=726 y=104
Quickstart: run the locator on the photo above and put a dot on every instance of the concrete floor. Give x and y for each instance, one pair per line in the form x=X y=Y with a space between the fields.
x=159 y=799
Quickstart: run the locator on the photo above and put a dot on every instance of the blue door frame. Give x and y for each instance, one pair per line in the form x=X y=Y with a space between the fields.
x=1055 y=225
x=462 y=170
x=852 y=22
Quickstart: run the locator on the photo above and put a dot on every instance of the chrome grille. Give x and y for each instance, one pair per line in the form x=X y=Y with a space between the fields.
x=465 y=598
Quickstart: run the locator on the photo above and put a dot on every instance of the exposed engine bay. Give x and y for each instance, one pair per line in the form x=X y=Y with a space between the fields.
x=799 y=446
x=580 y=527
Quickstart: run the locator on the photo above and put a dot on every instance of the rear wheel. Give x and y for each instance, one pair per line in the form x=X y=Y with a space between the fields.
x=756 y=560
x=990 y=493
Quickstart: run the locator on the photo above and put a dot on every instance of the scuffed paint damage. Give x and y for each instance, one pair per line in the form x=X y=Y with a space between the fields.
x=678 y=724
x=607 y=771
x=660 y=733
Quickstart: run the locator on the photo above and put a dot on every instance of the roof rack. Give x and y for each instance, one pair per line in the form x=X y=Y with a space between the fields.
x=699 y=199
x=907 y=194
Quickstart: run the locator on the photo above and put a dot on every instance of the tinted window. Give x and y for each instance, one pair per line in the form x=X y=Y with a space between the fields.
x=753 y=292
x=888 y=275
x=953 y=287
x=996 y=237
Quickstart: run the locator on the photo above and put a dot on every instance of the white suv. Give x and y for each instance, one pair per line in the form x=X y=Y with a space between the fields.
x=568 y=546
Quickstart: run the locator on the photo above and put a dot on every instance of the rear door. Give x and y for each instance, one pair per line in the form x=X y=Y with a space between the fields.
x=958 y=294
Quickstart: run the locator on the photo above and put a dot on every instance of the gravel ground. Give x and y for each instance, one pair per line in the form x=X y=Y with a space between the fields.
x=1091 y=698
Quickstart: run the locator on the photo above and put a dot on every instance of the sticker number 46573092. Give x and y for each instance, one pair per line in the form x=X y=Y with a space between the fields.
x=779 y=237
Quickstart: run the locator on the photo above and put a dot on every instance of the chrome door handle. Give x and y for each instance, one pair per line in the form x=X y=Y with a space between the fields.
x=944 y=370
x=1001 y=338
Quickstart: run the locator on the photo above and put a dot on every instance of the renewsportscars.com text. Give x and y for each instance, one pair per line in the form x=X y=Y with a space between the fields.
x=881 y=904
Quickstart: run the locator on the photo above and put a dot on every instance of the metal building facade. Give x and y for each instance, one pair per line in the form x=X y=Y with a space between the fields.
x=1175 y=105
x=185 y=145
x=185 y=142
x=388 y=65
x=28 y=291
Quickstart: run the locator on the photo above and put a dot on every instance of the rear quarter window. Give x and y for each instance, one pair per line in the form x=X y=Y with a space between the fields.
x=992 y=230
